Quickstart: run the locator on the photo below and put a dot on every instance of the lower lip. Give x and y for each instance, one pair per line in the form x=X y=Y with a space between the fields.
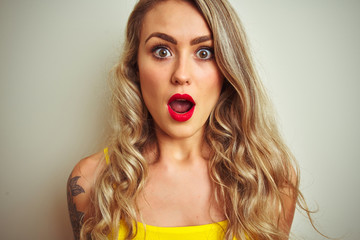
x=181 y=117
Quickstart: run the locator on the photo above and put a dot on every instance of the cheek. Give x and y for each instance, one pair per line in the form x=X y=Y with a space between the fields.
x=152 y=87
x=211 y=88
x=212 y=81
x=148 y=81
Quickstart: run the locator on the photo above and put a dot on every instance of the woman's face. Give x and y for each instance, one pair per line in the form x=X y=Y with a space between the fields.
x=179 y=78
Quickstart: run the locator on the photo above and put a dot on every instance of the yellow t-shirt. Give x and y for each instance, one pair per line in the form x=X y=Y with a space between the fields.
x=213 y=231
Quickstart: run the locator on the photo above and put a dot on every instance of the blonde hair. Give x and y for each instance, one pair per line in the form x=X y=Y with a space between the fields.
x=249 y=165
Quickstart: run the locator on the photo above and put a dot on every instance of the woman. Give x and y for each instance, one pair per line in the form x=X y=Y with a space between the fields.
x=193 y=143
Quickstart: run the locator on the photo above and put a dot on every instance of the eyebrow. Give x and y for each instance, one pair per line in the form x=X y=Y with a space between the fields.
x=200 y=40
x=162 y=36
x=172 y=40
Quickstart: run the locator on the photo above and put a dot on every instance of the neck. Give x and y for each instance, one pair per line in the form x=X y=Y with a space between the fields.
x=181 y=151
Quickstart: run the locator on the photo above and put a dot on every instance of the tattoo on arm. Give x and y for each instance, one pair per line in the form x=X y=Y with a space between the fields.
x=73 y=189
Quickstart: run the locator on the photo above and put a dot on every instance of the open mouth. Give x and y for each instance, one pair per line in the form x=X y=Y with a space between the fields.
x=181 y=107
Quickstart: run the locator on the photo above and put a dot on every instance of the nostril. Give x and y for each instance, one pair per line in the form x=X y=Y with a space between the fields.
x=181 y=75
x=181 y=80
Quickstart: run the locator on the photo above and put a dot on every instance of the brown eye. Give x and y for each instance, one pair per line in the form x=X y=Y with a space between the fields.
x=162 y=53
x=204 y=54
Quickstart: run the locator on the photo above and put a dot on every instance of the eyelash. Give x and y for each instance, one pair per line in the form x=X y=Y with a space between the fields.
x=209 y=49
x=159 y=47
x=156 y=48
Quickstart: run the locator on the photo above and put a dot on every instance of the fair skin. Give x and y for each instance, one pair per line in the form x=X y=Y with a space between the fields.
x=174 y=56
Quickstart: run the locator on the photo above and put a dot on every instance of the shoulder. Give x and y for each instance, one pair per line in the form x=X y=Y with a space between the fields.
x=80 y=186
x=88 y=168
x=82 y=178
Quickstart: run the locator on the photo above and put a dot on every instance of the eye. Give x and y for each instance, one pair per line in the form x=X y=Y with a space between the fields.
x=161 y=52
x=204 y=54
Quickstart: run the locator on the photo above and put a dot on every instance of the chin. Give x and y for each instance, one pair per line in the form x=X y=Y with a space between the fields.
x=180 y=132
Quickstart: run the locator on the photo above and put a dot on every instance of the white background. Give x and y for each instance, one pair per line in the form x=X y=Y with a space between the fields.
x=54 y=61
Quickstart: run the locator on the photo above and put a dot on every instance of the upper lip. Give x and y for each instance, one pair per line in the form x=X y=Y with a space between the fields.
x=177 y=96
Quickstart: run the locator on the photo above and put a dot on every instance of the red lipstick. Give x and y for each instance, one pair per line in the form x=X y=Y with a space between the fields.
x=181 y=107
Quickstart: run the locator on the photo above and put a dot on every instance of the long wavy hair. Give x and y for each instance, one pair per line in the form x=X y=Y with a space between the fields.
x=249 y=165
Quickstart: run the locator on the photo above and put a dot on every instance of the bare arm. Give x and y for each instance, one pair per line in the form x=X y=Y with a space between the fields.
x=76 y=216
x=79 y=187
x=289 y=198
x=286 y=218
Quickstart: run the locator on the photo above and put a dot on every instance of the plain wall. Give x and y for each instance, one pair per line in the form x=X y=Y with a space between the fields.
x=54 y=61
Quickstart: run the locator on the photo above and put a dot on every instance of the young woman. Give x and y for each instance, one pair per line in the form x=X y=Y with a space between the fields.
x=195 y=152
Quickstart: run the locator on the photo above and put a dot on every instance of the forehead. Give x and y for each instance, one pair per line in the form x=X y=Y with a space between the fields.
x=177 y=18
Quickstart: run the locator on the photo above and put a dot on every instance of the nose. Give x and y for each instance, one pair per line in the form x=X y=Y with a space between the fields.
x=182 y=72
